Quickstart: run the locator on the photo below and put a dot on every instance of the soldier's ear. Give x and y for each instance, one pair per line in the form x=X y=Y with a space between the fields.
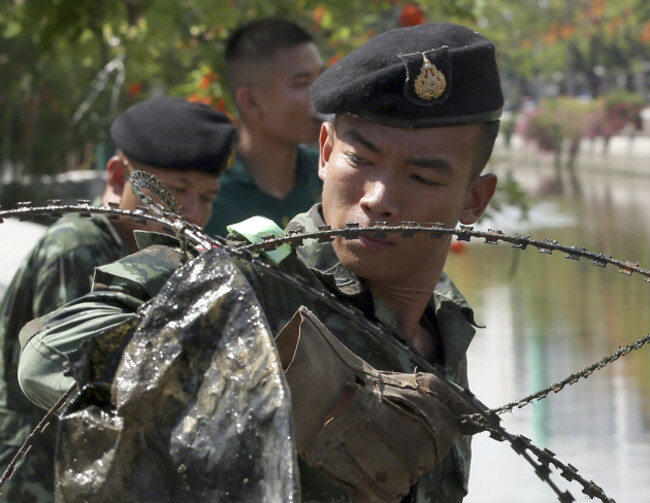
x=478 y=197
x=117 y=174
x=326 y=143
x=247 y=102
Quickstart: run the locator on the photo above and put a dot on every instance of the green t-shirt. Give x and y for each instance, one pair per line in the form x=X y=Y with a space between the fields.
x=240 y=198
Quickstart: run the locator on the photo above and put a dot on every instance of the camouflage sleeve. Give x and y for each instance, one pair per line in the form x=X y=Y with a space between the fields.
x=48 y=340
x=66 y=278
x=119 y=290
x=65 y=260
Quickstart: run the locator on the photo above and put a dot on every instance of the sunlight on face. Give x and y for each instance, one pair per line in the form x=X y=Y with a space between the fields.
x=283 y=94
x=375 y=173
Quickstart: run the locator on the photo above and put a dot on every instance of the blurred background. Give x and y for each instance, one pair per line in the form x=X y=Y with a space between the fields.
x=573 y=158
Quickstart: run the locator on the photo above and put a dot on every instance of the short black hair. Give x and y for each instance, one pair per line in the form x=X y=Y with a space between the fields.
x=260 y=40
x=489 y=133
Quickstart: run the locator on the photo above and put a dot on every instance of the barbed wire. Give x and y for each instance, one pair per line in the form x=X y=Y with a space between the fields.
x=40 y=428
x=190 y=234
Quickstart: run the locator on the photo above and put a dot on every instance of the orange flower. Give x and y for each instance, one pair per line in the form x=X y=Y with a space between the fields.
x=220 y=104
x=205 y=82
x=566 y=31
x=318 y=13
x=207 y=79
x=197 y=98
x=457 y=246
x=645 y=34
x=411 y=15
x=134 y=88
x=597 y=9
x=549 y=38
x=333 y=60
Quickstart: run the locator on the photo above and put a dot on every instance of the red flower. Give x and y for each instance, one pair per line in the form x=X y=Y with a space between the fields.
x=207 y=79
x=134 y=88
x=457 y=246
x=333 y=60
x=205 y=82
x=411 y=15
x=220 y=104
x=197 y=98
x=318 y=13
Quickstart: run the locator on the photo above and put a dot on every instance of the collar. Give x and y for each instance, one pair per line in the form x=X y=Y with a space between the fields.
x=322 y=260
x=239 y=173
x=104 y=222
x=144 y=239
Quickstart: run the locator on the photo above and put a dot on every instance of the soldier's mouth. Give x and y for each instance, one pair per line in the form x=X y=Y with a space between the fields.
x=374 y=243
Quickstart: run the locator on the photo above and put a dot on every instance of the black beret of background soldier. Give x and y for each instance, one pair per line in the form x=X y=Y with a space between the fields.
x=416 y=116
x=171 y=132
x=185 y=145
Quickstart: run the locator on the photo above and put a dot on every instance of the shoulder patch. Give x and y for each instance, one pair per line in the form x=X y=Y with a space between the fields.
x=149 y=268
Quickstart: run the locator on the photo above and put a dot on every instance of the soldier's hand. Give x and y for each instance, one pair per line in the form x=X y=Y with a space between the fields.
x=374 y=431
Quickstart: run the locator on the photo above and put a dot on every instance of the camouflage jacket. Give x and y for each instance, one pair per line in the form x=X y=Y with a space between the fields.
x=58 y=269
x=122 y=287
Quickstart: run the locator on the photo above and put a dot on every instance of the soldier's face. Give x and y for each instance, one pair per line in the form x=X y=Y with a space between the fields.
x=194 y=191
x=374 y=173
x=283 y=107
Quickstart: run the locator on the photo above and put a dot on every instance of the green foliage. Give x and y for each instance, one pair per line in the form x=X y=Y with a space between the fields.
x=566 y=118
x=51 y=50
x=621 y=109
x=509 y=193
x=559 y=119
x=507 y=128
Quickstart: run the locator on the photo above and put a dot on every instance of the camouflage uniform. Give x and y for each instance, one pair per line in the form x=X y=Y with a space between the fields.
x=58 y=269
x=125 y=285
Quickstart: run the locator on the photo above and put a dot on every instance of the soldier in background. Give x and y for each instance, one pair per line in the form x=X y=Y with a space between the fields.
x=198 y=406
x=270 y=66
x=187 y=146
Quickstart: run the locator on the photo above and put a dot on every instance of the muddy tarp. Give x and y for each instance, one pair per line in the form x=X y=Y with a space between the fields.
x=198 y=409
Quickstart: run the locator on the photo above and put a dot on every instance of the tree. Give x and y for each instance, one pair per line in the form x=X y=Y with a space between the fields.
x=584 y=47
x=70 y=65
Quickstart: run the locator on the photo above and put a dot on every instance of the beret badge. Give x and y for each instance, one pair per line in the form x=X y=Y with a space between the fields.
x=428 y=76
x=431 y=82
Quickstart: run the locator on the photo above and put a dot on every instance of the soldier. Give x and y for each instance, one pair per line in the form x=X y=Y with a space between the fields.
x=196 y=407
x=270 y=66
x=187 y=146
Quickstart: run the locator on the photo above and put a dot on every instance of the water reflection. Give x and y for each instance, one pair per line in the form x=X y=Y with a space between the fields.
x=547 y=317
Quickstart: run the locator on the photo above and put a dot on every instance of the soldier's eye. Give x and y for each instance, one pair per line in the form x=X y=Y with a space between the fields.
x=425 y=181
x=354 y=159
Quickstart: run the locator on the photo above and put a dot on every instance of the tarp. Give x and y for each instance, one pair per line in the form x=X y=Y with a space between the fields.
x=198 y=409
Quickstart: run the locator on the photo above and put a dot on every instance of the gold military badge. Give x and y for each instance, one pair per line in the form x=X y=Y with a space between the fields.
x=431 y=82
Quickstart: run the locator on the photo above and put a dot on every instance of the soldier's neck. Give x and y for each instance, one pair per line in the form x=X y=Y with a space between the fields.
x=271 y=163
x=407 y=303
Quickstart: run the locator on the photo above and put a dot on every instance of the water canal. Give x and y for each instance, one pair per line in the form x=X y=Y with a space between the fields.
x=547 y=317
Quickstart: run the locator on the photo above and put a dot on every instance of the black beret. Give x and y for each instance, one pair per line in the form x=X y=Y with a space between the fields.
x=171 y=132
x=427 y=75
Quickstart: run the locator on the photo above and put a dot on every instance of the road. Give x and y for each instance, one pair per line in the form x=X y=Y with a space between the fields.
x=16 y=239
